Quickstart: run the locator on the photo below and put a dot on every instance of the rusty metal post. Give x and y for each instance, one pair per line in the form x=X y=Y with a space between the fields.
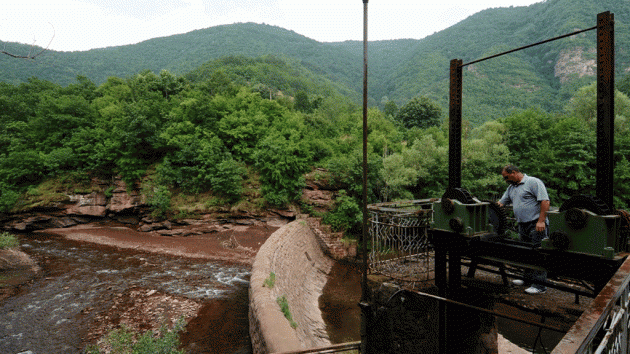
x=455 y=126
x=365 y=304
x=605 y=106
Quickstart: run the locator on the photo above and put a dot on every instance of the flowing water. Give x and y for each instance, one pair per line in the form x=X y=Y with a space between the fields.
x=52 y=313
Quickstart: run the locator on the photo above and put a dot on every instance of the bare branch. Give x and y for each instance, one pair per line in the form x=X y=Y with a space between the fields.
x=29 y=56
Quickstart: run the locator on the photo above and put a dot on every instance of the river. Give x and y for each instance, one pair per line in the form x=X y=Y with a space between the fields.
x=81 y=282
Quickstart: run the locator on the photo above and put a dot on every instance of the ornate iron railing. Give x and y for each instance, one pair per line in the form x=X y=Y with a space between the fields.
x=399 y=244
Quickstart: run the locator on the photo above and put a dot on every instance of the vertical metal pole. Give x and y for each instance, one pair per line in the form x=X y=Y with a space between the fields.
x=365 y=147
x=605 y=106
x=366 y=313
x=455 y=126
x=440 y=282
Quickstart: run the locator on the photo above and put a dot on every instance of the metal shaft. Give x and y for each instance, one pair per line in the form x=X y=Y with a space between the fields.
x=366 y=308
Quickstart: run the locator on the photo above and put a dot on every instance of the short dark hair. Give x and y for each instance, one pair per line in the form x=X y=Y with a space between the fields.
x=510 y=169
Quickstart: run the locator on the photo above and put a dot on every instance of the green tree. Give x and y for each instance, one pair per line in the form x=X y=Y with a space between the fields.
x=282 y=159
x=420 y=112
x=484 y=154
x=584 y=105
x=390 y=109
x=623 y=84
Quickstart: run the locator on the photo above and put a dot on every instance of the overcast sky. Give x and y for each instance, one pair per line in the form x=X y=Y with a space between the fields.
x=87 y=24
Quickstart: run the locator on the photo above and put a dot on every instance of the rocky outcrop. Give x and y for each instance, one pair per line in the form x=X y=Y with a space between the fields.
x=122 y=200
x=575 y=63
x=116 y=201
x=119 y=203
x=31 y=222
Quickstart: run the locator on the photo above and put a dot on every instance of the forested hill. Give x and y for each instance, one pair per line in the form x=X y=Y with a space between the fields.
x=545 y=75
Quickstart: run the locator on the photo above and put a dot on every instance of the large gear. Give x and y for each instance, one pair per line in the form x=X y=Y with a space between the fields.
x=497 y=218
x=459 y=194
x=588 y=202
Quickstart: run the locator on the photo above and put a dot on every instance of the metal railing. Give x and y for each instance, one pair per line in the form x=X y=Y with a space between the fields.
x=399 y=242
x=352 y=347
x=603 y=328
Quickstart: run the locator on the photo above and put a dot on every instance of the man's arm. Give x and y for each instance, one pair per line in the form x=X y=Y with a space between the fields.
x=544 y=208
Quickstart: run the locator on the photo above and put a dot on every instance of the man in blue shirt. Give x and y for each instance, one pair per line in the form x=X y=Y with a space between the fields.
x=530 y=202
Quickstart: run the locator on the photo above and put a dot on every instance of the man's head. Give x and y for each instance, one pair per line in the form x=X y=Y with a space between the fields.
x=511 y=174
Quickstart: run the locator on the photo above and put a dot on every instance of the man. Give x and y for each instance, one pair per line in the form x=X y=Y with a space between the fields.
x=530 y=202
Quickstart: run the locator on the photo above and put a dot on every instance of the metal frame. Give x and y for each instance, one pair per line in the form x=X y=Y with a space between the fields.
x=605 y=166
x=603 y=328
x=605 y=106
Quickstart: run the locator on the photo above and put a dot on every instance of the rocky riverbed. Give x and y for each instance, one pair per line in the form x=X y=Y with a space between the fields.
x=192 y=264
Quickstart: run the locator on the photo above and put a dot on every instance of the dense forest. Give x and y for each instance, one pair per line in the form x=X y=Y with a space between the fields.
x=244 y=128
x=545 y=76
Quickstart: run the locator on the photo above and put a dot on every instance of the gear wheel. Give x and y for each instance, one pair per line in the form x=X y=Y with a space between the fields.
x=497 y=218
x=624 y=230
x=588 y=202
x=459 y=194
x=560 y=240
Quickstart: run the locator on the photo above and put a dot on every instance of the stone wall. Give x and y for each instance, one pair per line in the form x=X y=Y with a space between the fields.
x=293 y=253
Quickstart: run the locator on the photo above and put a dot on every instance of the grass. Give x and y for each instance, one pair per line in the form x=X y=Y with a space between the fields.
x=270 y=282
x=8 y=240
x=284 y=307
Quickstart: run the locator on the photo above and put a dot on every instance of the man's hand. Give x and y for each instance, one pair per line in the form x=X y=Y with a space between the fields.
x=544 y=208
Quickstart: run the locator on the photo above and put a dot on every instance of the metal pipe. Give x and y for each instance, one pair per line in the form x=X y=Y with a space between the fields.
x=529 y=46
x=480 y=309
x=366 y=309
x=455 y=125
x=336 y=348
x=365 y=147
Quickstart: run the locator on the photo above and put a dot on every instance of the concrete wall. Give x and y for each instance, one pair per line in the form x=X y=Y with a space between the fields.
x=293 y=253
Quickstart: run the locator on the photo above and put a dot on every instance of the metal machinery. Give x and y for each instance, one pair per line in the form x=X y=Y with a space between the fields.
x=587 y=241
x=585 y=225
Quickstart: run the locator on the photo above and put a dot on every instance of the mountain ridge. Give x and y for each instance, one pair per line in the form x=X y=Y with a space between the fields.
x=398 y=69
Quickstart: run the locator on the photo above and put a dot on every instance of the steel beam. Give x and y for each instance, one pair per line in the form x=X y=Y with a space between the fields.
x=605 y=106
x=455 y=126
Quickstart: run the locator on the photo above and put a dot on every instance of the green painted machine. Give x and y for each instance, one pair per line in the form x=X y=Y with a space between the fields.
x=586 y=242
x=459 y=212
x=585 y=225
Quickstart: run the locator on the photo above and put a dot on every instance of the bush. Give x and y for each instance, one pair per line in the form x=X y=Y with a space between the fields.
x=159 y=199
x=346 y=215
x=8 y=240
x=270 y=282
x=281 y=162
x=226 y=179
x=8 y=198
x=124 y=341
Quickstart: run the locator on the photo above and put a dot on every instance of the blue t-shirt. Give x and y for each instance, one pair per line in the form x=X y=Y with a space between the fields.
x=525 y=198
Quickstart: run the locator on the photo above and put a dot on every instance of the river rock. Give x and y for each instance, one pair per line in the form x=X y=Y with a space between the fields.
x=170 y=232
x=14 y=259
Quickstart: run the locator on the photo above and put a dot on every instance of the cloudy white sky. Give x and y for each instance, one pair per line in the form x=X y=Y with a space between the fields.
x=87 y=24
